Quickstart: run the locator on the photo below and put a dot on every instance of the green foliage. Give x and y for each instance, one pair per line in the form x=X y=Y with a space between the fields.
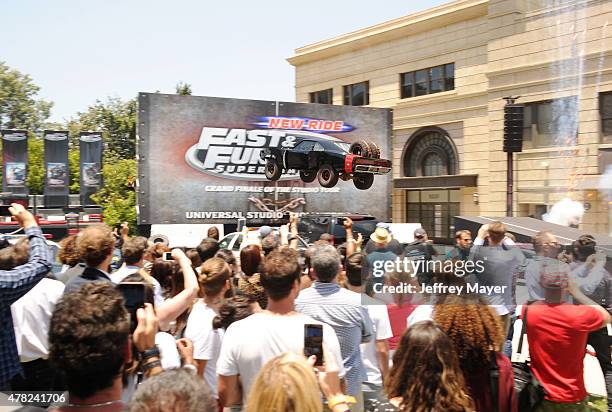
x=36 y=165
x=116 y=120
x=20 y=108
x=75 y=172
x=184 y=89
x=116 y=198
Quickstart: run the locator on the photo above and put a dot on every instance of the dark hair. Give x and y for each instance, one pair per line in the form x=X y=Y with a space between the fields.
x=269 y=243
x=426 y=373
x=157 y=250
x=173 y=390
x=213 y=233
x=68 y=253
x=88 y=337
x=214 y=274
x=194 y=256
x=281 y=270
x=134 y=249
x=355 y=265
x=95 y=243
x=163 y=271
x=250 y=259
x=15 y=255
x=207 y=248
x=325 y=262
x=583 y=247
x=232 y=310
x=226 y=255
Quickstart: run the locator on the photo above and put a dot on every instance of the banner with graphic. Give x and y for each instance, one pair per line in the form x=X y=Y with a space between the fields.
x=15 y=161
x=57 y=172
x=200 y=159
x=90 y=148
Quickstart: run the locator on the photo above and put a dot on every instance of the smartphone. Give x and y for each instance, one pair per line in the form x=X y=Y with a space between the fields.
x=313 y=342
x=4 y=210
x=168 y=256
x=241 y=224
x=135 y=295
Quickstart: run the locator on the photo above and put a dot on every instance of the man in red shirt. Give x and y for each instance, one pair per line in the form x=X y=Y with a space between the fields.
x=557 y=333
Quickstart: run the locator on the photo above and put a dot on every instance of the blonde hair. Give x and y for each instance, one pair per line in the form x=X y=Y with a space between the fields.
x=286 y=383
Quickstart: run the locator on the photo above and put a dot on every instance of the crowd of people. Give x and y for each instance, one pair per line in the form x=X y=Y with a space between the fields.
x=223 y=331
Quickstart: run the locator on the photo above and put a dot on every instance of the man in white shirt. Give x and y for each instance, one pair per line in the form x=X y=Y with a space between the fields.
x=249 y=343
x=133 y=251
x=375 y=353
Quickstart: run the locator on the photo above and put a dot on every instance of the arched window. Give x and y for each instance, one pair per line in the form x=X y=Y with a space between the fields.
x=430 y=152
x=433 y=165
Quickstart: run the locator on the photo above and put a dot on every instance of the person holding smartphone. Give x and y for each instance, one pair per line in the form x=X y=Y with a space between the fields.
x=249 y=343
x=14 y=284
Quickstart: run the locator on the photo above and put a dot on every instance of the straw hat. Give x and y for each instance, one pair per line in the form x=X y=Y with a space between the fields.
x=380 y=235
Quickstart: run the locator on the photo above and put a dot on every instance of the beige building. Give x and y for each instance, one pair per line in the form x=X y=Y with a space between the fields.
x=445 y=71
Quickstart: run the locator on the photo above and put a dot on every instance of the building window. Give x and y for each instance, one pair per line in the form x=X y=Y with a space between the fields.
x=551 y=123
x=357 y=94
x=605 y=111
x=322 y=96
x=430 y=153
x=433 y=165
x=427 y=81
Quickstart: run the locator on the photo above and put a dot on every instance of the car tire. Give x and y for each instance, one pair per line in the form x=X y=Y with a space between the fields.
x=308 y=176
x=327 y=176
x=374 y=150
x=363 y=181
x=360 y=148
x=272 y=170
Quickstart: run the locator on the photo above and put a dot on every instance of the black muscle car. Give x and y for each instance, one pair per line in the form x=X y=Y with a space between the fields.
x=327 y=161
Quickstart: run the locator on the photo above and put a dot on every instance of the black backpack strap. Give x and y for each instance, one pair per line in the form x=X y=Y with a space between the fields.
x=523 y=329
x=494 y=382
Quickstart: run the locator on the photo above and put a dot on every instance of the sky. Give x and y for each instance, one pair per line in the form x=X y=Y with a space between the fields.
x=81 y=51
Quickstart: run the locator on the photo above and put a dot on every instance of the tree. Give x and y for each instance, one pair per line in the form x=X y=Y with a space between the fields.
x=116 y=197
x=20 y=107
x=184 y=89
x=116 y=119
x=36 y=165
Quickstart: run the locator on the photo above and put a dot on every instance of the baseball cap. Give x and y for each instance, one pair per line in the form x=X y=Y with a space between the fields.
x=420 y=232
x=264 y=231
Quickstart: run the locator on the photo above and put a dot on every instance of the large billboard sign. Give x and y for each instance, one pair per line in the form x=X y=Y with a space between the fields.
x=199 y=159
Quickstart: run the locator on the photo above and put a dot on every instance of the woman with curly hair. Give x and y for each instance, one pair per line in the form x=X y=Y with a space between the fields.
x=476 y=333
x=425 y=376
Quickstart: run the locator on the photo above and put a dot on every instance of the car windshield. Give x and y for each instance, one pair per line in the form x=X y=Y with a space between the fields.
x=343 y=146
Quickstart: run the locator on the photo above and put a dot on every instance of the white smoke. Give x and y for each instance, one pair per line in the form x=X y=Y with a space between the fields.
x=566 y=212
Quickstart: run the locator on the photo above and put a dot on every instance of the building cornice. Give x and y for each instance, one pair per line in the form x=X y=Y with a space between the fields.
x=411 y=24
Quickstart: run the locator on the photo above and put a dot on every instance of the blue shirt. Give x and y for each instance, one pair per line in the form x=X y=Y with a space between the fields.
x=14 y=284
x=343 y=311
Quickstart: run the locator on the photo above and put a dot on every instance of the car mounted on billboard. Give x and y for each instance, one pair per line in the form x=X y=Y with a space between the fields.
x=203 y=159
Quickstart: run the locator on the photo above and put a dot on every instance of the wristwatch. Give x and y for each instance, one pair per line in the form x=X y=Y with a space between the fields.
x=149 y=353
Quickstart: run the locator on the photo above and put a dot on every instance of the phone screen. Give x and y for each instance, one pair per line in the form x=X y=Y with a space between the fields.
x=4 y=210
x=168 y=256
x=135 y=296
x=313 y=342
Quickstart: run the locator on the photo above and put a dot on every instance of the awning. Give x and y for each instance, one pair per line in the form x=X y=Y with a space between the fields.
x=436 y=182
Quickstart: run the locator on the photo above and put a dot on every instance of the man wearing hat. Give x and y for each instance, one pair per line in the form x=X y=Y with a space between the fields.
x=380 y=254
x=393 y=245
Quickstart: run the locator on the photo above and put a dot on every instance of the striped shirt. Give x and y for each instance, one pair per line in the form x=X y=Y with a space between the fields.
x=342 y=310
x=14 y=284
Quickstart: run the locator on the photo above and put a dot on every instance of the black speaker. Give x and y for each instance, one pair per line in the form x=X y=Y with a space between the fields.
x=513 y=127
